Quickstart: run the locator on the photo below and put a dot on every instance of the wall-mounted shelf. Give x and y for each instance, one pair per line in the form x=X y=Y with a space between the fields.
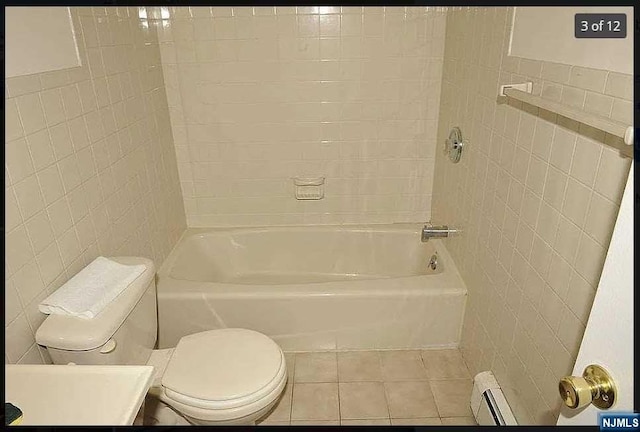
x=608 y=125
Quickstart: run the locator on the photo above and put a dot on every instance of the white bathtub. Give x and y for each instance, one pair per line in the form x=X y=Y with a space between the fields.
x=313 y=288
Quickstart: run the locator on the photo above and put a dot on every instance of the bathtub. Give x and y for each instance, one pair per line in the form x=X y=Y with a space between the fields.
x=313 y=288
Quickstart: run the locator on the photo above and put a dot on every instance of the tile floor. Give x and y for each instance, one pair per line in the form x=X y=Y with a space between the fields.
x=430 y=387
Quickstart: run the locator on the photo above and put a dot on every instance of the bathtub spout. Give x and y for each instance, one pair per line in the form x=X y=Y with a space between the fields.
x=436 y=231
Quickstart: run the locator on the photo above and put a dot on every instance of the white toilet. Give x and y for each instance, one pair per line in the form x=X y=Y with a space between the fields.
x=227 y=376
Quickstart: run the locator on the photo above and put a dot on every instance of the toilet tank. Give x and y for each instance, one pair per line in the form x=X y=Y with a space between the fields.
x=123 y=333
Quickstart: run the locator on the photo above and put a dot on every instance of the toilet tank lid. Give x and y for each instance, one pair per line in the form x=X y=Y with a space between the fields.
x=77 y=334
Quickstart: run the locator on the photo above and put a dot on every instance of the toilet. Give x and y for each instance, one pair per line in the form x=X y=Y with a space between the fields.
x=218 y=377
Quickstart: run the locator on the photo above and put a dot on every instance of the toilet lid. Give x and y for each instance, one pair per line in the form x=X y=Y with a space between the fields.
x=222 y=366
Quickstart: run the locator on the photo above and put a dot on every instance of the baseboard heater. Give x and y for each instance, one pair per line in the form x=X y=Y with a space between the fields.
x=488 y=404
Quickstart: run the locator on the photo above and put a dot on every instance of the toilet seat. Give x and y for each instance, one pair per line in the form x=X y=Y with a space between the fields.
x=223 y=374
x=229 y=403
x=236 y=415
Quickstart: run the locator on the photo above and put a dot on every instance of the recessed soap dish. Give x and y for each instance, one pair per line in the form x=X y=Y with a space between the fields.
x=309 y=188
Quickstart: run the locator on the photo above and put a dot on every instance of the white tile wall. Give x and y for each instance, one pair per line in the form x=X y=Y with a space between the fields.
x=260 y=95
x=88 y=172
x=536 y=196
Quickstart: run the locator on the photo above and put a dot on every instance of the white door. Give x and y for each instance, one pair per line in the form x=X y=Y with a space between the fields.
x=608 y=338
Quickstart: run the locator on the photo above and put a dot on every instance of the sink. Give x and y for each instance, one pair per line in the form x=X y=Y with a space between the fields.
x=77 y=394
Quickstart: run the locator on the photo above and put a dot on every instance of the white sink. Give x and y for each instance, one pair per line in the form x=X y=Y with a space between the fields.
x=77 y=395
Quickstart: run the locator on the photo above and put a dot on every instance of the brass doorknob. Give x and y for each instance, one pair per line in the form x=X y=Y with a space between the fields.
x=594 y=386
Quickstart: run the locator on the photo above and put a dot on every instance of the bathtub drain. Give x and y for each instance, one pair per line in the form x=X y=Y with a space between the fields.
x=433 y=262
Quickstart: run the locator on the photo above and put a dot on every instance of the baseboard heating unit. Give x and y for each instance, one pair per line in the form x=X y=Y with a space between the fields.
x=488 y=404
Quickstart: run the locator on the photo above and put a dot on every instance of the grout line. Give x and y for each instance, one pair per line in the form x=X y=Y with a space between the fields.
x=338 y=390
x=386 y=380
x=292 y=387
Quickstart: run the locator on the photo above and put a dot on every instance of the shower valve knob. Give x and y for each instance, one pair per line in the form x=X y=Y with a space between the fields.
x=454 y=145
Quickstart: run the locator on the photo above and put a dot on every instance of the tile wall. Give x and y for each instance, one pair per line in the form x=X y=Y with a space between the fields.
x=536 y=196
x=260 y=95
x=90 y=167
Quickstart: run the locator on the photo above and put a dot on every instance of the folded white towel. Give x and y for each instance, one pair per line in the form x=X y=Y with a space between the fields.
x=92 y=289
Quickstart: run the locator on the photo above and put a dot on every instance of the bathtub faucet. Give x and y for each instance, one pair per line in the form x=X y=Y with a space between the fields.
x=436 y=231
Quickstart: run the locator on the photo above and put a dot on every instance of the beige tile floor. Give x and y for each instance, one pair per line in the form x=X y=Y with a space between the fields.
x=375 y=388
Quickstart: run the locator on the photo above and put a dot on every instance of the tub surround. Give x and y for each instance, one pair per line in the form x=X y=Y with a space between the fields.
x=259 y=95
